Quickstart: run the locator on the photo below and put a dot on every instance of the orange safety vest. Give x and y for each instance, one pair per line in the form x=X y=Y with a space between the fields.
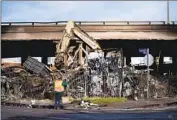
x=58 y=86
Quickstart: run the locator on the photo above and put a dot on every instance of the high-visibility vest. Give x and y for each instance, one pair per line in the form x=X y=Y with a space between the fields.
x=58 y=86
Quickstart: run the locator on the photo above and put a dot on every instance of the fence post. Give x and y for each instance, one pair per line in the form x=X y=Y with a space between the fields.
x=148 y=72
x=85 y=87
x=122 y=73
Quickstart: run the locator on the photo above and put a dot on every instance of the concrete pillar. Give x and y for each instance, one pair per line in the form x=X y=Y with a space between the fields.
x=174 y=60
x=128 y=60
x=23 y=58
x=125 y=64
x=160 y=68
x=44 y=60
x=154 y=65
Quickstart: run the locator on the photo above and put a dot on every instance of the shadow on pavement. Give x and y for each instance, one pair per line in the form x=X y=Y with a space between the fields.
x=160 y=115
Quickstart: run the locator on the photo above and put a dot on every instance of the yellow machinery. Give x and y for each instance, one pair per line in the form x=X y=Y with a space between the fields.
x=63 y=52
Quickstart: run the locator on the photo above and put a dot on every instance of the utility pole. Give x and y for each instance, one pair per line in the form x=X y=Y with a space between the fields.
x=168 y=12
x=148 y=72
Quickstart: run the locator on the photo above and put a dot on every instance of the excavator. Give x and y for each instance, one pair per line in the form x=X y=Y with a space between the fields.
x=67 y=55
x=71 y=57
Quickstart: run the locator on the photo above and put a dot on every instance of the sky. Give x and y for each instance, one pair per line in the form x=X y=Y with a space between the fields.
x=50 y=11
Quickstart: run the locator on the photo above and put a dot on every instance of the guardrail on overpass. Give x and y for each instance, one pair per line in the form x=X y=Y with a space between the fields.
x=99 y=30
x=94 y=23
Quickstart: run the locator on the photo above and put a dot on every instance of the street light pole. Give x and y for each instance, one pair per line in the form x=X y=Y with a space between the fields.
x=168 y=16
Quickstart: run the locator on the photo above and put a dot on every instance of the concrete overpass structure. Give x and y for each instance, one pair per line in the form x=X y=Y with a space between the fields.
x=39 y=38
x=135 y=30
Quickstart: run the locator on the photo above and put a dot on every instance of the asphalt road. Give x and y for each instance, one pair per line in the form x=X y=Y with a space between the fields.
x=17 y=113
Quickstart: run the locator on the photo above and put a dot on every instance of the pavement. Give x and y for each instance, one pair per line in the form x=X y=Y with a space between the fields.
x=156 y=109
x=18 y=113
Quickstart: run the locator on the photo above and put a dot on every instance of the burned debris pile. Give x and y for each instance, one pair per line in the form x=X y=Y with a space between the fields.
x=101 y=77
x=105 y=76
x=89 y=71
x=27 y=82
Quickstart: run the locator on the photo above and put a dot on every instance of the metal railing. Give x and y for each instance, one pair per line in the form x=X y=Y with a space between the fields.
x=93 y=23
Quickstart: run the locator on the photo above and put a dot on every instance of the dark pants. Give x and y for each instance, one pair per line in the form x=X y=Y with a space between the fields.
x=58 y=99
x=65 y=91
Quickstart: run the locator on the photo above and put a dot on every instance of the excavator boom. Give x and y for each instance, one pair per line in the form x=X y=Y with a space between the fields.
x=71 y=31
x=86 y=38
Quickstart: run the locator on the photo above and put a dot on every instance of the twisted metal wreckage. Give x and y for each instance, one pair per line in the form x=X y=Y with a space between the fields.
x=89 y=70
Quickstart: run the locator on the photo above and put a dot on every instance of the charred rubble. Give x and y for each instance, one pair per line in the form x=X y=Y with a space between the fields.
x=26 y=82
x=102 y=76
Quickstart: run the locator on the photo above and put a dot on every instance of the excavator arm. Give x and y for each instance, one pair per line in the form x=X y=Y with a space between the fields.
x=72 y=30
x=93 y=44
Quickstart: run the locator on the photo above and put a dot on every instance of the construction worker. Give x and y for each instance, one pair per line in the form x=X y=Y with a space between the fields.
x=59 y=91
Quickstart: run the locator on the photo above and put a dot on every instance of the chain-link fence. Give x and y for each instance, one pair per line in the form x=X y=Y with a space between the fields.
x=93 y=85
x=133 y=85
x=89 y=83
x=104 y=76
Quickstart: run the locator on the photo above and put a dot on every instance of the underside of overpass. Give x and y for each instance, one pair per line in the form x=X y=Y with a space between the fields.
x=44 y=49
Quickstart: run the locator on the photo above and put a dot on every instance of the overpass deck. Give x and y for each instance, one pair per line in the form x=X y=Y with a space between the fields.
x=99 y=30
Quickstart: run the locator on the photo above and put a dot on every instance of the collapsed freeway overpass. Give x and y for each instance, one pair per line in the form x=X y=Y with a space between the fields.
x=20 y=39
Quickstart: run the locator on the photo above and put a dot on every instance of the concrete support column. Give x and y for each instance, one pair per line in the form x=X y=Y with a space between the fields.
x=23 y=58
x=125 y=64
x=160 y=68
x=174 y=60
x=44 y=60
x=128 y=60
x=154 y=65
